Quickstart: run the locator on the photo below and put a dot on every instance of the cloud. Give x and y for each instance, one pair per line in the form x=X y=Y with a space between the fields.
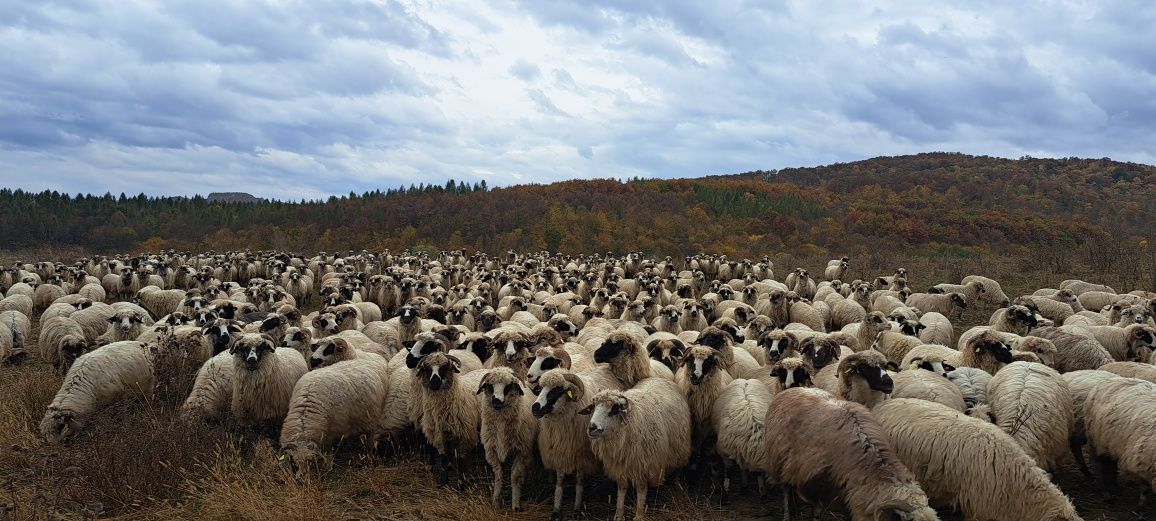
x=319 y=98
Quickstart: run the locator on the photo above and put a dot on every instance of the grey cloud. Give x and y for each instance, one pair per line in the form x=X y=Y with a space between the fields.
x=524 y=70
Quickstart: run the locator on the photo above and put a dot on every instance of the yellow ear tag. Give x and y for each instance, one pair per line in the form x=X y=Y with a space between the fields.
x=978 y=349
x=570 y=393
x=281 y=458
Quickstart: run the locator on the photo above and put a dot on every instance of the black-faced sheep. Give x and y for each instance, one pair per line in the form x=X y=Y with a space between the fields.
x=263 y=380
x=508 y=430
x=450 y=415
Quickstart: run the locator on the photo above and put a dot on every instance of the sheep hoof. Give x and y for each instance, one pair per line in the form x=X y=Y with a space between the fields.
x=555 y=516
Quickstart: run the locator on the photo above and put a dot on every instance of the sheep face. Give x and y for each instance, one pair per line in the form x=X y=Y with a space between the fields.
x=126 y=320
x=58 y=425
x=668 y=352
x=998 y=349
x=272 y=322
x=792 y=372
x=326 y=322
x=422 y=346
x=500 y=387
x=226 y=310
x=304 y=459
x=715 y=338
x=515 y=346
x=479 y=345
x=293 y=339
x=564 y=326
x=1135 y=315
x=911 y=327
x=436 y=371
x=326 y=351
x=936 y=366
x=731 y=328
x=692 y=309
x=871 y=367
x=1022 y=315
x=819 y=352
x=700 y=362
x=1141 y=342
x=607 y=411
x=71 y=347
x=779 y=344
x=614 y=347
x=252 y=349
x=204 y=317
x=544 y=360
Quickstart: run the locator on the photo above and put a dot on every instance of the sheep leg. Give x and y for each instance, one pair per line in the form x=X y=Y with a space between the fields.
x=1077 y=447
x=728 y=465
x=640 y=501
x=620 y=504
x=443 y=464
x=1107 y=467
x=517 y=475
x=559 y=481
x=578 y=486
x=496 y=466
x=788 y=502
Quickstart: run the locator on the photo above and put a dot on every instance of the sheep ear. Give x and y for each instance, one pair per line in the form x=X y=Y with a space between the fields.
x=457 y=364
x=891 y=366
x=948 y=367
x=111 y=320
x=518 y=390
x=482 y=387
x=589 y=409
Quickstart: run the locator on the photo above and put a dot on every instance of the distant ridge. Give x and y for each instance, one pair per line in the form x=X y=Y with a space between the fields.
x=233 y=197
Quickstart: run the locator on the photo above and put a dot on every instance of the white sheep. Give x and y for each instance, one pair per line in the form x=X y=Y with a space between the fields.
x=639 y=435
x=212 y=392
x=858 y=466
x=1120 y=418
x=972 y=383
x=970 y=465
x=1080 y=385
x=926 y=385
x=450 y=415
x=330 y=403
x=937 y=329
x=95 y=380
x=508 y=430
x=1074 y=351
x=1134 y=342
x=1138 y=370
x=1032 y=404
x=263 y=380
x=949 y=304
x=992 y=291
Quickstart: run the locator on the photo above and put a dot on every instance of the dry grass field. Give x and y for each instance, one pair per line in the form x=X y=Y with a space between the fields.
x=138 y=462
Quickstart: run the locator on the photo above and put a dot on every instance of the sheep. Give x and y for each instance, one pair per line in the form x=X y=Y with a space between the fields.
x=836 y=269
x=700 y=380
x=1073 y=351
x=1016 y=319
x=972 y=382
x=846 y=311
x=263 y=379
x=1138 y=370
x=937 y=329
x=1134 y=342
x=547 y=358
x=393 y=333
x=331 y=403
x=861 y=378
x=1049 y=308
x=803 y=313
x=627 y=360
x=887 y=304
x=1080 y=287
x=1032 y=404
x=63 y=309
x=159 y=302
x=212 y=393
x=788 y=373
x=347 y=345
x=1080 y=385
x=866 y=331
x=949 y=304
x=95 y=380
x=693 y=317
x=639 y=435
x=508 y=430
x=859 y=468
x=992 y=291
x=1033 y=349
x=926 y=385
x=1135 y=314
x=45 y=294
x=125 y=324
x=426 y=343
x=737 y=362
x=969 y=465
x=450 y=415
x=61 y=341
x=739 y=421
x=1120 y=418
x=562 y=442
x=973 y=290
x=895 y=345
x=21 y=303
x=666 y=348
x=987 y=350
x=15 y=332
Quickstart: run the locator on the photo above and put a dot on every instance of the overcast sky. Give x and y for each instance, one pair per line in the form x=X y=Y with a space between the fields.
x=304 y=99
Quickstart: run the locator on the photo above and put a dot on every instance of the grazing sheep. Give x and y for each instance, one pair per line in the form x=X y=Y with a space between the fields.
x=1016 y=319
x=1120 y=418
x=926 y=385
x=985 y=350
x=508 y=430
x=1032 y=404
x=837 y=269
x=1078 y=286
x=992 y=291
x=95 y=380
x=21 y=303
x=970 y=465
x=949 y=304
x=263 y=380
x=972 y=382
x=45 y=294
x=15 y=331
x=331 y=403
x=562 y=441
x=212 y=393
x=1074 y=352
x=1134 y=342
x=858 y=469
x=450 y=414
x=895 y=345
x=639 y=435
x=973 y=290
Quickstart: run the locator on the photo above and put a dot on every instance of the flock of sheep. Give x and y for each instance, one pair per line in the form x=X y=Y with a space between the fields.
x=858 y=394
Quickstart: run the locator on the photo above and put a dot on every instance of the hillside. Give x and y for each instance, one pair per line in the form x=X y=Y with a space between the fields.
x=932 y=203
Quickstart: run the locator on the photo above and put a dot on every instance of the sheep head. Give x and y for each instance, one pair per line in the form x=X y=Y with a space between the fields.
x=607 y=410
x=991 y=343
x=700 y=362
x=251 y=349
x=423 y=345
x=305 y=459
x=617 y=345
x=779 y=344
x=501 y=387
x=819 y=352
x=793 y=372
x=436 y=371
x=669 y=352
x=870 y=365
x=933 y=363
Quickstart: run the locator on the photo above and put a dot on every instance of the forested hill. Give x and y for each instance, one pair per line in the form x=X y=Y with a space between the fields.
x=936 y=202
